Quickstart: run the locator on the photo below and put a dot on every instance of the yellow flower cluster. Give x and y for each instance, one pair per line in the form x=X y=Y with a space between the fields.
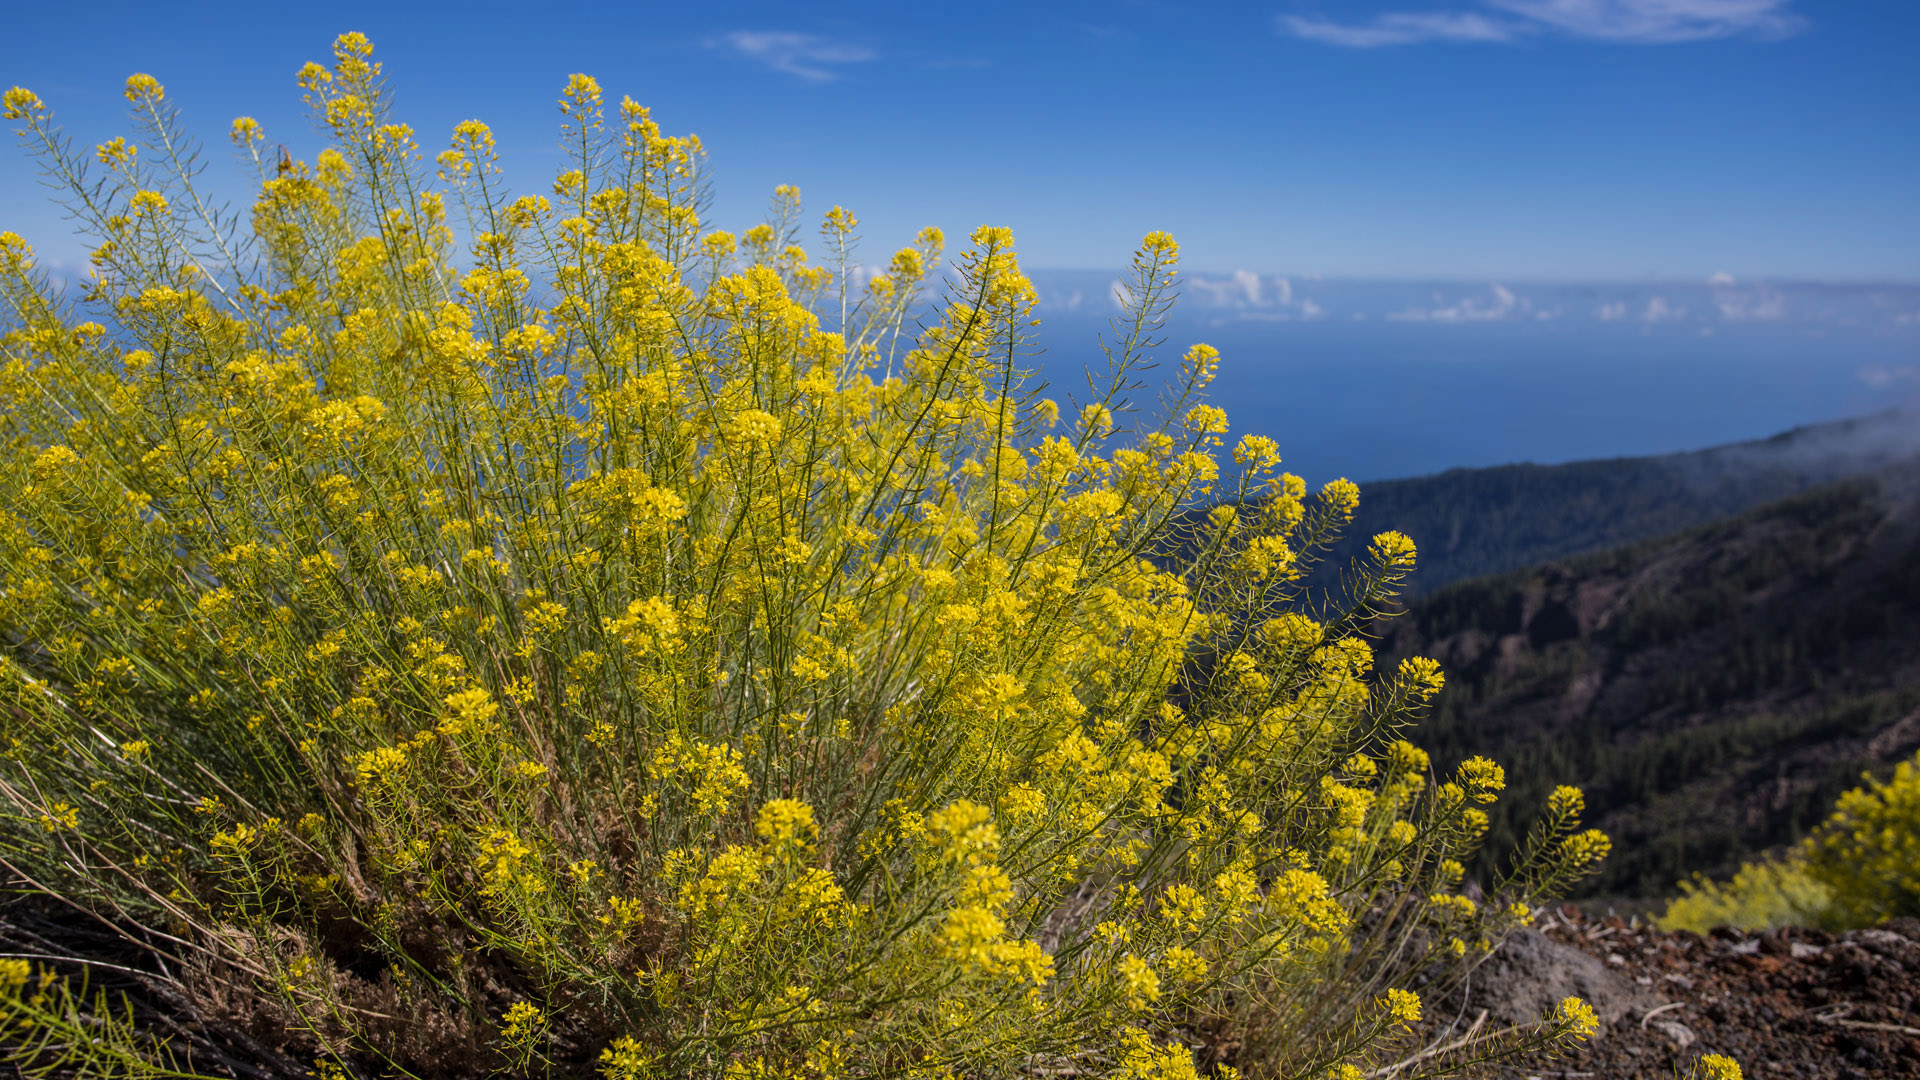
x=1577 y=1017
x=1716 y=1067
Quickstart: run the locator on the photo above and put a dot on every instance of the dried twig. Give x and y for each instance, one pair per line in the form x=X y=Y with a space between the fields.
x=1651 y=1013
x=1838 y=1014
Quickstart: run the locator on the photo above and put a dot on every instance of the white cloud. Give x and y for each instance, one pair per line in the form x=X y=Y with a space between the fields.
x=1243 y=289
x=1117 y=292
x=1720 y=279
x=806 y=56
x=1641 y=22
x=1611 y=312
x=1311 y=310
x=1469 y=309
x=1763 y=305
x=1659 y=310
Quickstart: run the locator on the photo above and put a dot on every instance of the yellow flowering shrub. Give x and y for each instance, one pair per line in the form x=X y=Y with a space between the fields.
x=1860 y=866
x=674 y=662
x=1868 y=853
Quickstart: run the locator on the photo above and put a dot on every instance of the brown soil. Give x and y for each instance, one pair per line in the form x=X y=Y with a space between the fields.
x=1790 y=1003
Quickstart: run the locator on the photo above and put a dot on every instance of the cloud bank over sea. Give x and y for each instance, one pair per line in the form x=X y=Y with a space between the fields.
x=1379 y=379
x=1699 y=307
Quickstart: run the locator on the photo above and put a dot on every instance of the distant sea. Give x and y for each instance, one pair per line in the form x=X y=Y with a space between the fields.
x=1375 y=380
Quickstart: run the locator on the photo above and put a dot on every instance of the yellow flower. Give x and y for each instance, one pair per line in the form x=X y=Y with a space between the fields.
x=966 y=831
x=1342 y=496
x=1097 y=420
x=60 y=815
x=521 y=1022
x=1022 y=801
x=1184 y=964
x=13 y=975
x=1402 y=1006
x=1183 y=907
x=1566 y=802
x=754 y=426
x=581 y=89
x=1578 y=1017
x=714 y=769
x=1138 y=983
x=20 y=102
x=1143 y=1059
x=1717 y=1067
x=786 y=825
x=1206 y=419
x=54 y=461
x=627 y=1059
x=1423 y=675
x=1482 y=779
x=116 y=152
x=1257 y=452
x=380 y=764
x=968 y=934
x=468 y=709
x=1585 y=848
x=144 y=88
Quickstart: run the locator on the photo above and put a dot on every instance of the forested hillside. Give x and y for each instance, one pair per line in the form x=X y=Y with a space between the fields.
x=1471 y=522
x=1713 y=690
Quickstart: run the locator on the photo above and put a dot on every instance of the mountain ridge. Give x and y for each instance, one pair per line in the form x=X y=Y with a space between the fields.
x=1471 y=522
x=1713 y=689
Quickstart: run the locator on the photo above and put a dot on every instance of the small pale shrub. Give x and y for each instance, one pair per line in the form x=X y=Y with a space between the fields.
x=548 y=635
x=1762 y=895
x=1861 y=866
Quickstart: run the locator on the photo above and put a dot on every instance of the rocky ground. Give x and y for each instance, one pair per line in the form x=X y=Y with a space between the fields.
x=1796 y=1003
x=1791 y=1003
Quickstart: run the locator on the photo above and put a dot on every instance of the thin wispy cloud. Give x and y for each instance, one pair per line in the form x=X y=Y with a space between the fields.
x=1638 y=22
x=1399 y=28
x=1659 y=22
x=804 y=56
x=1881 y=378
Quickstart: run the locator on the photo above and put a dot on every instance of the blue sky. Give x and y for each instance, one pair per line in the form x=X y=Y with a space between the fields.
x=1463 y=140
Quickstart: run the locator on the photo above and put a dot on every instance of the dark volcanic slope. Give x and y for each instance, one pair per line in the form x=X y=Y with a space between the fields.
x=1470 y=522
x=1713 y=691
